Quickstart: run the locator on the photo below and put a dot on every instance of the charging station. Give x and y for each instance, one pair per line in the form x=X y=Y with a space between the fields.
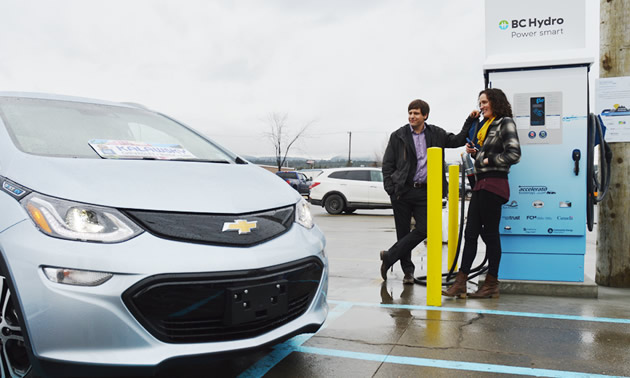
x=535 y=53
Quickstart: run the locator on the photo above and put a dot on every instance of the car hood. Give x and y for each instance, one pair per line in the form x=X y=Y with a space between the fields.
x=154 y=184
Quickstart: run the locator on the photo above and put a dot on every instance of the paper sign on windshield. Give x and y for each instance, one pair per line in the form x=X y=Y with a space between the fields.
x=126 y=149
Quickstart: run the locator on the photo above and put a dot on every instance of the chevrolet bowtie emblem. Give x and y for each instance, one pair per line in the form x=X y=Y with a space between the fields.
x=242 y=225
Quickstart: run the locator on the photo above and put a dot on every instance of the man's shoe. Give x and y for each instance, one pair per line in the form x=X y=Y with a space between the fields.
x=408 y=280
x=384 y=266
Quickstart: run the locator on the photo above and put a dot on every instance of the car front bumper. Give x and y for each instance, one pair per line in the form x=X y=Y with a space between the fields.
x=315 y=202
x=94 y=326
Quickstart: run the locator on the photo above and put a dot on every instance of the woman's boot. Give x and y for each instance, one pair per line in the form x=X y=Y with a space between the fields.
x=458 y=289
x=489 y=289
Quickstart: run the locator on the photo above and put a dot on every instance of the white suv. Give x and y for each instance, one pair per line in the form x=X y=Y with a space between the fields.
x=347 y=189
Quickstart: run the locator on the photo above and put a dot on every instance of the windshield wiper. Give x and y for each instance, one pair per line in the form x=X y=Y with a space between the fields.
x=202 y=160
x=218 y=161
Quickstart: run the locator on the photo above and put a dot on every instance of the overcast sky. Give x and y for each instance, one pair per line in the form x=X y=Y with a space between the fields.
x=223 y=66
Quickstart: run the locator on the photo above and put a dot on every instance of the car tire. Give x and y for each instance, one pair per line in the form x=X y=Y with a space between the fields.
x=14 y=360
x=349 y=210
x=334 y=204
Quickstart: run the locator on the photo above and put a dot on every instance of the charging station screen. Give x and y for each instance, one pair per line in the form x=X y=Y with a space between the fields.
x=537 y=111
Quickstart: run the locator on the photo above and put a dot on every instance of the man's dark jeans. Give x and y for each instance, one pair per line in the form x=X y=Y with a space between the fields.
x=411 y=203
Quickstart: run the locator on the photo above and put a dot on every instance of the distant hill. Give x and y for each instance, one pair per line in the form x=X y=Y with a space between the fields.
x=333 y=162
x=301 y=163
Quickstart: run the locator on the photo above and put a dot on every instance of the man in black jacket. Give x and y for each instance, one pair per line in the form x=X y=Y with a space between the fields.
x=405 y=180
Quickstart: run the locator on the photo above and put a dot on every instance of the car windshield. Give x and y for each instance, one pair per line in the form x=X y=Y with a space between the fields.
x=286 y=175
x=86 y=130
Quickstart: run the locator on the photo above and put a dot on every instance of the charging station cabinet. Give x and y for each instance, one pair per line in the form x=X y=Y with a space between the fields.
x=543 y=225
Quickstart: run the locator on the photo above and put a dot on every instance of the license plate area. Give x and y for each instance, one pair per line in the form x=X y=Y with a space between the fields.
x=257 y=302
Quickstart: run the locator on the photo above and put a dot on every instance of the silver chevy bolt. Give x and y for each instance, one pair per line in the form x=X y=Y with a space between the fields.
x=128 y=239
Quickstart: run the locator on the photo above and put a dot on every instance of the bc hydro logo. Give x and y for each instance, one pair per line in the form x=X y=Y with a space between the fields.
x=533 y=27
x=531 y=23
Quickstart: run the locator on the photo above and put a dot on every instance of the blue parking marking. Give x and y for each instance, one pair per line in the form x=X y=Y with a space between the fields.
x=492 y=312
x=263 y=366
x=447 y=364
x=280 y=351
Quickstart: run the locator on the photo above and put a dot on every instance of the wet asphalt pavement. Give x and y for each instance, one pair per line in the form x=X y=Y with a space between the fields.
x=385 y=329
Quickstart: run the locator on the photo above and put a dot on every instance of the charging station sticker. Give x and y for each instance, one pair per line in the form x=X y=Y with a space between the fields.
x=539 y=209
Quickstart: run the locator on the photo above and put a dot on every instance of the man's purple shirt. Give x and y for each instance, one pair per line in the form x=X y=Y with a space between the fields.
x=420 y=142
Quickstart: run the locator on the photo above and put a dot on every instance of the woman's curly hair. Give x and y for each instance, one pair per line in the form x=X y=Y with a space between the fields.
x=498 y=102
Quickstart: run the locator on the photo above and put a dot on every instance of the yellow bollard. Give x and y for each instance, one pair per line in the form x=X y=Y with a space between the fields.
x=453 y=213
x=434 y=226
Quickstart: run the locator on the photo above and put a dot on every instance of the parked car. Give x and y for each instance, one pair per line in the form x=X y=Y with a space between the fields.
x=347 y=189
x=297 y=180
x=128 y=239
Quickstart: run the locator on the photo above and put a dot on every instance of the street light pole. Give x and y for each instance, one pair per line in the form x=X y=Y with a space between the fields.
x=349 y=148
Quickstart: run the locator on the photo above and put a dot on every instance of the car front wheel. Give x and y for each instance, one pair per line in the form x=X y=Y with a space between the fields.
x=334 y=204
x=14 y=357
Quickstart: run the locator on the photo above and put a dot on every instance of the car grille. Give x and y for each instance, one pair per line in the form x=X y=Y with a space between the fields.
x=195 y=308
x=209 y=228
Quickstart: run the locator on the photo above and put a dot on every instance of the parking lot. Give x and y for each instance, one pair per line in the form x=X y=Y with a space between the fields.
x=377 y=329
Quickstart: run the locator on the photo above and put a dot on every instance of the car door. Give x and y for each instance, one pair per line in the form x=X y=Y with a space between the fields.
x=304 y=183
x=376 y=191
x=357 y=184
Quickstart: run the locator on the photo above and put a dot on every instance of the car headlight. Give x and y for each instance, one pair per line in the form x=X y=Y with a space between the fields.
x=303 y=215
x=78 y=221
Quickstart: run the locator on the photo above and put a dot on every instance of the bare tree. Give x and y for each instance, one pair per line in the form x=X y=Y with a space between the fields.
x=378 y=154
x=280 y=136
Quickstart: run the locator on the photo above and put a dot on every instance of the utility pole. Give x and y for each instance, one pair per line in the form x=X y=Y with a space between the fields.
x=349 y=164
x=613 y=239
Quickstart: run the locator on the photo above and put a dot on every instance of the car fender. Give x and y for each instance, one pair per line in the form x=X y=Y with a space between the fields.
x=17 y=301
x=11 y=212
